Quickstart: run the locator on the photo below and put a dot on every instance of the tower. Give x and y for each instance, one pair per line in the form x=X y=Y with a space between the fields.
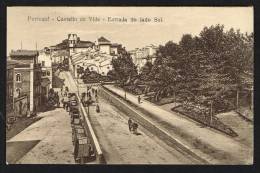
x=72 y=39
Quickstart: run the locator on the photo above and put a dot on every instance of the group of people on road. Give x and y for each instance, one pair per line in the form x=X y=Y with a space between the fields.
x=65 y=99
x=86 y=97
x=52 y=99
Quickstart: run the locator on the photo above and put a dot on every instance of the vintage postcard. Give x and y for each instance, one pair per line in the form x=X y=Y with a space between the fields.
x=130 y=85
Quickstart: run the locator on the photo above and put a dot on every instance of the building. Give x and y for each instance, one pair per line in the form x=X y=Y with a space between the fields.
x=93 y=60
x=27 y=77
x=141 y=56
x=10 y=88
x=104 y=45
x=59 y=52
x=46 y=68
x=96 y=56
x=76 y=45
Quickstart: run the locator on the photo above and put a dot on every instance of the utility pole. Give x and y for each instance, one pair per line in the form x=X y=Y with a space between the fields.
x=21 y=45
x=174 y=99
x=211 y=112
x=237 y=104
x=252 y=99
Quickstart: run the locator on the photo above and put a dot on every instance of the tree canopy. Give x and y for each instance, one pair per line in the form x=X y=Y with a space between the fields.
x=204 y=64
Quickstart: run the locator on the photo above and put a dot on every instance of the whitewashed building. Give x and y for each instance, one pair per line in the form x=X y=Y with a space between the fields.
x=141 y=56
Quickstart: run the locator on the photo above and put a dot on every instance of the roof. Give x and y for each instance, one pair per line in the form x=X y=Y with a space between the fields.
x=115 y=45
x=83 y=44
x=17 y=64
x=24 y=53
x=12 y=62
x=103 y=40
x=63 y=45
x=61 y=53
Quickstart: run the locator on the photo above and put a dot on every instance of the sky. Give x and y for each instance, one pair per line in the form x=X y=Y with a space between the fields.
x=176 y=21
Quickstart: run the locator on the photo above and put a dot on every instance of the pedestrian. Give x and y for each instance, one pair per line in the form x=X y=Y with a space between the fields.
x=65 y=102
x=96 y=93
x=135 y=126
x=58 y=100
x=97 y=108
x=139 y=99
x=130 y=122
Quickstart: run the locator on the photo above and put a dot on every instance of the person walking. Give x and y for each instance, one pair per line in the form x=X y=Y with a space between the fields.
x=130 y=122
x=61 y=91
x=65 y=103
x=58 y=100
x=135 y=126
x=97 y=108
x=139 y=99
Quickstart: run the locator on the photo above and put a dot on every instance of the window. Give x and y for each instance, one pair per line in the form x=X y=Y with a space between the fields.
x=108 y=67
x=48 y=73
x=43 y=73
x=91 y=68
x=18 y=77
x=103 y=73
x=18 y=92
x=43 y=63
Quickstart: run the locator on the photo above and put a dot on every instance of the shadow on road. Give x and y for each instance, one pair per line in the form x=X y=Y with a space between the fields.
x=16 y=150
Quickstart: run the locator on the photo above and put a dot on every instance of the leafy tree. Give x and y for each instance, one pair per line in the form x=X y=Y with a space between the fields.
x=80 y=70
x=208 y=65
x=124 y=68
x=145 y=71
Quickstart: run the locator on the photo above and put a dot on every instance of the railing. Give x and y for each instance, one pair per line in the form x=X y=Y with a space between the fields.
x=89 y=130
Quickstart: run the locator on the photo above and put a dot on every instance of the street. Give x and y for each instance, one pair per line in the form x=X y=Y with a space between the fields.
x=41 y=142
x=121 y=146
x=48 y=141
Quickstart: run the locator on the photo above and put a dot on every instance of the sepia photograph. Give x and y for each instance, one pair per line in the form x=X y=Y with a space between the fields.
x=130 y=85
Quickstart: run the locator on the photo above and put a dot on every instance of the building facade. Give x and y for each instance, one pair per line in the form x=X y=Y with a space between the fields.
x=10 y=88
x=27 y=77
x=46 y=68
x=96 y=56
x=143 y=55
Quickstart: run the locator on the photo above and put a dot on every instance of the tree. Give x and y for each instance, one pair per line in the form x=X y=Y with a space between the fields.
x=124 y=68
x=208 y=65
x=80 y=70
x=166 y=70
x=145 y=71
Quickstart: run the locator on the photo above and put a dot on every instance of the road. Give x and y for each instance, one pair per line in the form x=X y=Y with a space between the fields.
x=47 y=141
x=119 y=145
x=210 y=144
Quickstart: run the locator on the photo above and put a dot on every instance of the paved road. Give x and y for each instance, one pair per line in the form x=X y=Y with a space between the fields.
x=225 y=150
x=47 y=141
x=119 y=145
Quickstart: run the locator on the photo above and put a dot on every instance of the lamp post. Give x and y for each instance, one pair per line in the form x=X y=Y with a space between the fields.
x=211 y=111
x=125 y=94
